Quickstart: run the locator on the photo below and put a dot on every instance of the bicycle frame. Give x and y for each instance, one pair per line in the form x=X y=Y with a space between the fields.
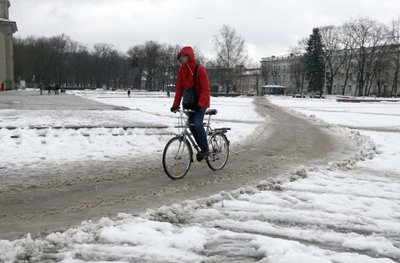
x=184 y=115
x=186 y=134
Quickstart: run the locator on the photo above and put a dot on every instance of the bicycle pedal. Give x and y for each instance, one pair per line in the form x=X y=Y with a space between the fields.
x=202 y=156
x=199 y=157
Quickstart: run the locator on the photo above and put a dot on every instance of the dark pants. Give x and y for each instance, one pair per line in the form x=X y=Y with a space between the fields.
x=197 y=129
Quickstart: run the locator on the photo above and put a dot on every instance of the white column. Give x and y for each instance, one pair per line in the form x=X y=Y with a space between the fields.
x=3 y=64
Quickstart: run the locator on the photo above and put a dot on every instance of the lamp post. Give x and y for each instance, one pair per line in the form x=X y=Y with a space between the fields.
x=325 y=88
x=33 y=81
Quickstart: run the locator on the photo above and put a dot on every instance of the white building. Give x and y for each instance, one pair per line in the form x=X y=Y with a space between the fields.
x=7 y=29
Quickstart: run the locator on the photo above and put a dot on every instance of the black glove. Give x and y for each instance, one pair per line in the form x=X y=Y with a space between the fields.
x=174 y=109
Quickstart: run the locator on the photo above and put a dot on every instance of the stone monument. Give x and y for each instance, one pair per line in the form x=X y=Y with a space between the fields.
x=7 y=29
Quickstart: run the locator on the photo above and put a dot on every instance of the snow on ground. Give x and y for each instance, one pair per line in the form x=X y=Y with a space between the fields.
x=348 y=211
x=379 y=114
x=66 y=136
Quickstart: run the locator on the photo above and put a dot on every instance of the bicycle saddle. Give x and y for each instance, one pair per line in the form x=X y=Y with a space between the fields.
x=211 y=112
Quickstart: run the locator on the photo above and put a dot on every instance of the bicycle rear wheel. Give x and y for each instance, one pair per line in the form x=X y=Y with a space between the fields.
x=177 y=158
x=219 y=151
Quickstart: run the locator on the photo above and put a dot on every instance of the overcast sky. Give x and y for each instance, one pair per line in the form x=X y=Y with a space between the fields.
x=269 y=27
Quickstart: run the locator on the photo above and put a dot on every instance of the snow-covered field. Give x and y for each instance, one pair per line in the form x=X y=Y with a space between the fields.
x=348 y=211
x=85 y=135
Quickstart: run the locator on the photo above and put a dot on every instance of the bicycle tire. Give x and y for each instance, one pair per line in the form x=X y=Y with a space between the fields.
x=177 y=158
x=219 y=151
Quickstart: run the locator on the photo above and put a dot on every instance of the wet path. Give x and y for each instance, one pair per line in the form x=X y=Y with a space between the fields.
x=63 y=196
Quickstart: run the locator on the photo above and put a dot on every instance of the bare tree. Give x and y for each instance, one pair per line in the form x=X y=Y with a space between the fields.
x=379 y=63
x=346 y=55
x=151 y=63
x=333 y=50
x=380 y=68
x=298 y=68
x=157 y=64
x=81 y=63
x=103 y=56
x=394 y=40
x=60 y=47
x=367 y=37
x=265 y=72
x=231 y=53
x=171 y=64
x=230 y=48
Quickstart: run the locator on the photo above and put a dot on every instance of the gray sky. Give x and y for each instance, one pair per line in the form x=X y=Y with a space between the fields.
x=269 y=27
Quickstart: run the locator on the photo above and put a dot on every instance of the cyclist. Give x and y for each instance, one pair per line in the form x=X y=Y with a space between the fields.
x=185 y=80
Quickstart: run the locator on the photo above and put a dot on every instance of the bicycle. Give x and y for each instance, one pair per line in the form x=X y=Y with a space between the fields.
x=178 y=152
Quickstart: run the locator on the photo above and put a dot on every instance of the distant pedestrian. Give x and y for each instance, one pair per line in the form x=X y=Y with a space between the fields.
x=49 y=89
x=129 y=93
x=41 y=88
x=57 y=89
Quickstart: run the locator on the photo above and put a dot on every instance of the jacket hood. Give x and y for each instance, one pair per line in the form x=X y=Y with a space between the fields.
x=190 y=52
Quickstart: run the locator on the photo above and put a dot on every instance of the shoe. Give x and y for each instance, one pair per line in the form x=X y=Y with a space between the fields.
x=202 y=155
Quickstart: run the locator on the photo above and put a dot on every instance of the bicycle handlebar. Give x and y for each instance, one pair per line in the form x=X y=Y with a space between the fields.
x=183 y=110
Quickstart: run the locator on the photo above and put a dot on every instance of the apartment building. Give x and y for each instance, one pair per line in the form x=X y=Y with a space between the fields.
x=343 y=76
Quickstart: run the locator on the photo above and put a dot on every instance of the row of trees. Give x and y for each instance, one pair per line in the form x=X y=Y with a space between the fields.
x=61 y=60
x=361 y=47
x=151 y=65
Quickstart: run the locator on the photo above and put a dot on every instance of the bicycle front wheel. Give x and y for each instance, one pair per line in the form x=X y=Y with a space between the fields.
x=219 y=151
x=177 y=158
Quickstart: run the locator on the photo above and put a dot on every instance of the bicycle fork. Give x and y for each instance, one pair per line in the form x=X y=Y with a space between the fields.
x=188 y=140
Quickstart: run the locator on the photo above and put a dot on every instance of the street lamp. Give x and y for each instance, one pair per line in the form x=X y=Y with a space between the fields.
x=325 y=76
x=33 y=81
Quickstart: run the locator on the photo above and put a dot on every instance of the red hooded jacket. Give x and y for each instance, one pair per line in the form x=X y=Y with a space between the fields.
x=185 y=80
